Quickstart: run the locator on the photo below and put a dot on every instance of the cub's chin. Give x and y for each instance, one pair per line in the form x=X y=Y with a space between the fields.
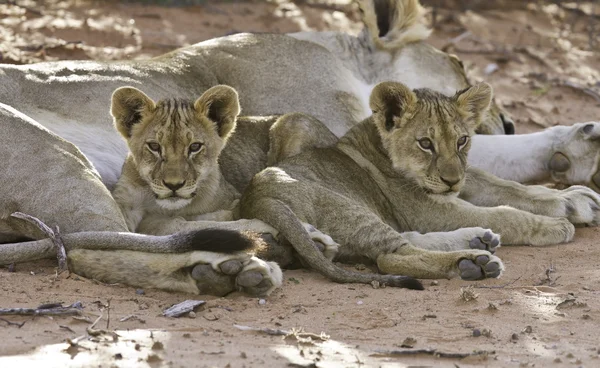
x=173 y=203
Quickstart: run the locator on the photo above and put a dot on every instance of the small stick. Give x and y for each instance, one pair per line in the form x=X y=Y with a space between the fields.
x=66 y=328
x=10 y=323
x=434 y=352
x=54 y=235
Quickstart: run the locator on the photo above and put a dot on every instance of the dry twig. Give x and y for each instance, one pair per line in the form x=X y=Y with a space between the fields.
x=54 y=235
x=434 y=352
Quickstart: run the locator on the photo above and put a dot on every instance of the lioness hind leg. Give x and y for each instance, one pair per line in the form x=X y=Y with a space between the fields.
x=465 y=238
x=420 y=263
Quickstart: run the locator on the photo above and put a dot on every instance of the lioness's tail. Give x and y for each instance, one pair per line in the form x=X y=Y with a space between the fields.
x=281 y=217
x=392 y=24
x=209 y=240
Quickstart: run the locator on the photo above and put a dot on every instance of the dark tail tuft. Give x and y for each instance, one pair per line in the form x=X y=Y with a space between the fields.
x=217 y=240
x=405 y=282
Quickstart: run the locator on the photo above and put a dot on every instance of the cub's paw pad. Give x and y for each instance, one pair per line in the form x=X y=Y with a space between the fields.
x=252 y=276
x=482 y=267
x=211 y=282
x=259 y=277
x=249 y=279
x=232 y=267
x=489 y=241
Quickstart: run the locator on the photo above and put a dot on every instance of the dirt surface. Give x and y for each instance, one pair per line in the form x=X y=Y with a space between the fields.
x=544 y=311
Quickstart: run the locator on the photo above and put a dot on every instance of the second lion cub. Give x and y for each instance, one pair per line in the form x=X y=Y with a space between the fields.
x=403 y=172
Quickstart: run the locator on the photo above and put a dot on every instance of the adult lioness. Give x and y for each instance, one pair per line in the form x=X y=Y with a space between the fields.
x=325 y=74
x=94 y=231
x=400 y=171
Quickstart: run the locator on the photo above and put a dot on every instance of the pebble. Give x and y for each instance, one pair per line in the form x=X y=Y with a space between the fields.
x=476 y=332
x=262 y=301
x=360 y=302
x=528 y=329
x=140 y=291
x=514 y=337
x=192 y=314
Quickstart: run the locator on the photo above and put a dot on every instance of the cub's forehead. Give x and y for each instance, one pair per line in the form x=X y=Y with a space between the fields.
x=436 y=111
x=177 y=117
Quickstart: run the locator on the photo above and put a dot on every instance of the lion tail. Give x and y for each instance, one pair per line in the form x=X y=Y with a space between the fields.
x=281 y=217
x=391 y=24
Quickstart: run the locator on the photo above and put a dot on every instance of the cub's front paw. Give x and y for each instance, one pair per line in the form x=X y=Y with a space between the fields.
x=323 y=241
x=552 y=230
x=252 y=276
x=581 y=205
x=486 y=241
x=481 y=266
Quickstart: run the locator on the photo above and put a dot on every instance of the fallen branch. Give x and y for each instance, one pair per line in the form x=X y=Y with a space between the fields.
x=434 y=352
x=54 y=235
x=44 y=310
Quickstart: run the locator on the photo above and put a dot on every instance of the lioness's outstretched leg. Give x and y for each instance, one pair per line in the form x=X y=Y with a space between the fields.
x=581 y=205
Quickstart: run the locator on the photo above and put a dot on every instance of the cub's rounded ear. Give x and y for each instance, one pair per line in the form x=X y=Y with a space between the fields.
x=222 y=106
x=391 y=103
x=127 y=107
x=474 y=101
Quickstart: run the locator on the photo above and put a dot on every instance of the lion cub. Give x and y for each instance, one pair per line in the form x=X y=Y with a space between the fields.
x=171 y=180
x=403 y=172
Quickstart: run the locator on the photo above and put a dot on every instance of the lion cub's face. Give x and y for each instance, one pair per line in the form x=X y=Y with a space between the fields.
x=426 y=134
x=175 y=143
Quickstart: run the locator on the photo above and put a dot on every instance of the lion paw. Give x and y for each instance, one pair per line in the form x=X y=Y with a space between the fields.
x=323 y=241
x=252 y=276
x=581 y=205
x=480 y=267
x=488 y=241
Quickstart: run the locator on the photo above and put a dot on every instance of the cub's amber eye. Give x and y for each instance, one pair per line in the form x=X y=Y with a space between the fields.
x=462 y=141
x=426 y=144
x=154 y=147
x=195 y=147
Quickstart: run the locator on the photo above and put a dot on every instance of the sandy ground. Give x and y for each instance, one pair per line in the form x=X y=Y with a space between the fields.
x=544 y=311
